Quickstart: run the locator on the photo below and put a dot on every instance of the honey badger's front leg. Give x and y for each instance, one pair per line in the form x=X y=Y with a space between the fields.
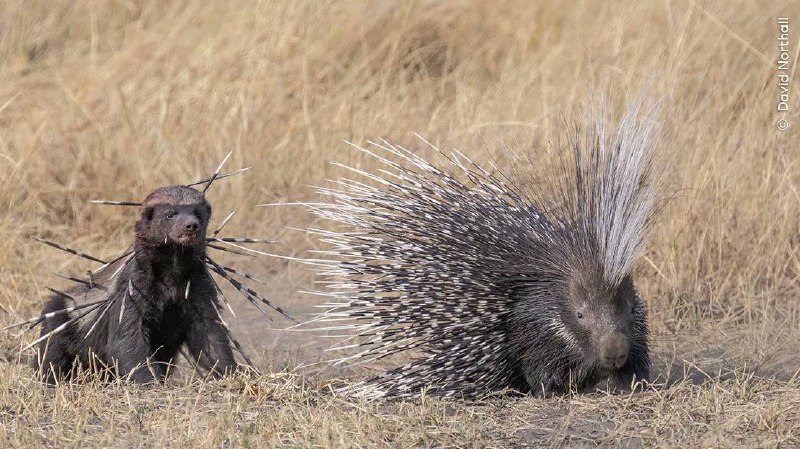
x=130 y=353
x=206 y=338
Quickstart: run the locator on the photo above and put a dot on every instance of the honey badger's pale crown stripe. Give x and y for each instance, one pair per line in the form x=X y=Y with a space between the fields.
x=173 y=196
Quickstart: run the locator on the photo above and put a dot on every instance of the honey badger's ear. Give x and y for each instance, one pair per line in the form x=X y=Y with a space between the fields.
x=147 y=213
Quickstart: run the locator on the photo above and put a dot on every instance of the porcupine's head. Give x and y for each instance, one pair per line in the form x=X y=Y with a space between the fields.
x=175 y=215
x=578 y=329
x=593 y=326
x=602 y=319
x=582 y=318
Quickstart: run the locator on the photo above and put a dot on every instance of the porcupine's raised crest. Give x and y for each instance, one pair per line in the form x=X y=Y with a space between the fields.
x=92 y=314
x=461 y=265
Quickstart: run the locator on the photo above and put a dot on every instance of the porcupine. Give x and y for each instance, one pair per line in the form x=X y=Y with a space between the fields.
x=493 y=286
x=134 y=314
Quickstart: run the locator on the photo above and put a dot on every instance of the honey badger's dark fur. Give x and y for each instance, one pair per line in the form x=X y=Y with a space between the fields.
x=160 y=298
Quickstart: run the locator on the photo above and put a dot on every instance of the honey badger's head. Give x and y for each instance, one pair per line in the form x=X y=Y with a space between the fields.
x=174 y=215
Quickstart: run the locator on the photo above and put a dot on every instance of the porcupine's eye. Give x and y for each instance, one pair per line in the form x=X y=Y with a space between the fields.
x=170 y=215
x=580 y=316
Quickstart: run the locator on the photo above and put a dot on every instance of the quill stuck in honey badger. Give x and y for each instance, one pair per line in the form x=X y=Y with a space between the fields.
x=136 y=313
x=162 y=297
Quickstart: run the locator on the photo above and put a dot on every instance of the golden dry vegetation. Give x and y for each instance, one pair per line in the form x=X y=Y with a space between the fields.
x=110 y=99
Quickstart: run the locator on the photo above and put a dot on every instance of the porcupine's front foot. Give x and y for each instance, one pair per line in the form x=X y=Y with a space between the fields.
x=628 y=377
x=544 y=386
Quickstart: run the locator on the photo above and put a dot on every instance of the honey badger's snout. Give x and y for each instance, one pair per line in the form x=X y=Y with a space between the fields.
x=613 y=350
x=191 y=225
x=187 y=229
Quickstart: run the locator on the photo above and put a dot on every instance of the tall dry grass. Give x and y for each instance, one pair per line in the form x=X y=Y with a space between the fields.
x=110 y=99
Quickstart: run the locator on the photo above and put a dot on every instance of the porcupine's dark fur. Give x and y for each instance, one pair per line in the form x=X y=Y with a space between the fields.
x=133 y=315
x=493 y=287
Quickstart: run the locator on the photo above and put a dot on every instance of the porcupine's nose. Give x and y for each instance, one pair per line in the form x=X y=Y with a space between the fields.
x=614 y=350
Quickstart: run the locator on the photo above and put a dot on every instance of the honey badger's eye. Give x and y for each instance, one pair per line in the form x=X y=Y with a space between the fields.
x=170 y=215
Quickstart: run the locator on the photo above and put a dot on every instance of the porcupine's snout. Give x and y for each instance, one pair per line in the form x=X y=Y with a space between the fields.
x=613 y=350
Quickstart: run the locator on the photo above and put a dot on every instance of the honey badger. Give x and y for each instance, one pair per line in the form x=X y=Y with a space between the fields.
x=146 y=305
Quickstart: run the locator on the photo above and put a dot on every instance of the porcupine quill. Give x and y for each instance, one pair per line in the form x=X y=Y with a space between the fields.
x=492 y=287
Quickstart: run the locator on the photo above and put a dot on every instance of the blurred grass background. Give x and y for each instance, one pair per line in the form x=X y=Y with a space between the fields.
x=111 y=99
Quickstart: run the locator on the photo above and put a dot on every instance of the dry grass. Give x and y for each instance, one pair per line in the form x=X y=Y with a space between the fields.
x=109 y=99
